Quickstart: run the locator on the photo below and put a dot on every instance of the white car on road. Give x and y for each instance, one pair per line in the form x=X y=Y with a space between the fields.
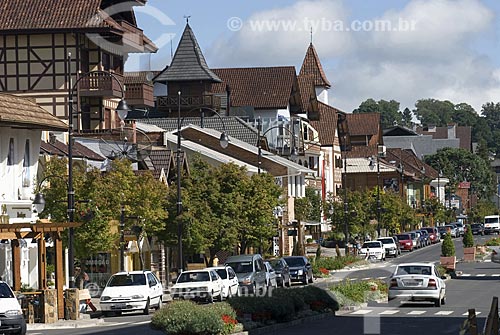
x=390 y=246
x=198 y=285
x=417 y=282
x=229 y=280
x=373 y=250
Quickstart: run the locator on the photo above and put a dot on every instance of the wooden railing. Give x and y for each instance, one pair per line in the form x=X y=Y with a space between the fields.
x=100 y=84
x=139 y=94
x=172 y=101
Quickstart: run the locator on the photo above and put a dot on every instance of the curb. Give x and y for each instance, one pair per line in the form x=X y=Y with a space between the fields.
x=65 y=324
x=273 y=328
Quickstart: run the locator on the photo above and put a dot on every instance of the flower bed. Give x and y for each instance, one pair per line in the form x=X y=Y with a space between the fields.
x=349 y=293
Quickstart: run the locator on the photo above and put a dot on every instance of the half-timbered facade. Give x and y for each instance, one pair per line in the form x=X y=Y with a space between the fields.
x=43 y=41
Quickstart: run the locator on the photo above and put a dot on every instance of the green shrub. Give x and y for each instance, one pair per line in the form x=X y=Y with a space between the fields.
x=468 y=239
x=447 y=247
x=493 y=242
x=186 y=317
x=348 y=292
x=318 y=251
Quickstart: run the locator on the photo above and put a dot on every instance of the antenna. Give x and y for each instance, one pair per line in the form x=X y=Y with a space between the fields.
x=171 y=49
x=187 y=18
x=311 y=35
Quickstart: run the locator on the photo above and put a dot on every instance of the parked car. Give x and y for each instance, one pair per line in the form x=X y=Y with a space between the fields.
x=417 y=282
x=390 y=246
x=453 y=229
x=131 y=291
x=250 y=270
x=230 y=285
x=416 y=240
x=425 y=235
x=477 y=229
x=443 y=230
x=300 y=269
x=495 y=254
x=11 y=315
x=282 y=272
x=271 y=280
x=398 y=244
x=405 y=242
x=460 y=228
x=205 y=285
x=373 y=250
x=434 y=235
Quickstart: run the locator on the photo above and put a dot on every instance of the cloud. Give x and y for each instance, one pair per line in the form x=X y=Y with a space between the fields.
x=434 y=59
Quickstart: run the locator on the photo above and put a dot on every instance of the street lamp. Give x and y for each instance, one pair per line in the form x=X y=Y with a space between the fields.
x=346 y=204
x=223 y=141
x=122 y=110
x=293 y=152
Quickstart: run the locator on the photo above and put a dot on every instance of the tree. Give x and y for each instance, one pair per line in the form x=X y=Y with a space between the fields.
x=447 y=247
x=389 y=111
x=434 y=112
x=468 y=239
x=407 y=118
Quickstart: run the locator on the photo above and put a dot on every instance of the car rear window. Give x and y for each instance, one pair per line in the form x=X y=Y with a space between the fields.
x=371 y=245
x=413 y=270
x=404 y=237
x=127 y=280
x=386 y=240
x=295 y=261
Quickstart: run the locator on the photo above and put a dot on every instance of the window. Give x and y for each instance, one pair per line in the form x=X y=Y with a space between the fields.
x=10 y=156
x=26 y=165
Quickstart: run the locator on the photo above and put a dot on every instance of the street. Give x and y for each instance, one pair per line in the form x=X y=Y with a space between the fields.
x=474 y=288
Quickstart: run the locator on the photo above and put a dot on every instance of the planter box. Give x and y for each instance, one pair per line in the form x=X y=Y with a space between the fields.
x=469 y=254
x=448 y=262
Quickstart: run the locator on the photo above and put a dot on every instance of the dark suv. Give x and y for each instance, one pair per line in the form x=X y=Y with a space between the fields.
x=300 y=269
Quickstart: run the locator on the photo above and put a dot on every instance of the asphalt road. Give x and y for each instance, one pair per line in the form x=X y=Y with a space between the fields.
x=474 y=288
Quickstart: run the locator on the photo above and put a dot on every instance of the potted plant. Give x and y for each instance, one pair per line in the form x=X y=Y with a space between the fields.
x=448 y=258
x=468 y=241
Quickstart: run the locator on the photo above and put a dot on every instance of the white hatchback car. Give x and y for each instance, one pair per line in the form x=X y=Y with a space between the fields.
x=373 y=250
x=417 y=282
x=131 y=291
x=229 y=280
x=11 y=316
x=198 y=285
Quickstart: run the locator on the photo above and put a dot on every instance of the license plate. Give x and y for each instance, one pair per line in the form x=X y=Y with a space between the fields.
x=413 y=283
x=120 y=306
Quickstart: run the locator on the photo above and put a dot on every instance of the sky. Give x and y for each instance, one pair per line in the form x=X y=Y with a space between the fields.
x=404 y=50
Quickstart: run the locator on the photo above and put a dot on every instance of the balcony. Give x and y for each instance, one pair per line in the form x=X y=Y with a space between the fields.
x=100 y=85
x=140 y=95
x=190 y=101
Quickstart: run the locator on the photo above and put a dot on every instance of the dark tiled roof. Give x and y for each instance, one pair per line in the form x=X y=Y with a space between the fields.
x=234 y=126
x=463 y=133
x=57 y=148
x=411 y=163
x=360 y=152
x=327 y=124
x=312 y=66
x=49 y=14
x=307 y=91
x=161 y=159
x=363 y=123
x=139 y=77
x=259 y=87
x=21 y=112
x=188 y=63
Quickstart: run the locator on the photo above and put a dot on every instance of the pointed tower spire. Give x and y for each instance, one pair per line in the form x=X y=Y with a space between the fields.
x=311 y=66
x=188 y=63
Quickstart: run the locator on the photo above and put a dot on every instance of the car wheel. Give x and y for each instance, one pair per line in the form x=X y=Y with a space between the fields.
x=220 y=298
x=437 y=302
x=146 y=309
x=311 y=279
x=304 y=280
x=443 y=300
x=160 y=304
x=210 y=298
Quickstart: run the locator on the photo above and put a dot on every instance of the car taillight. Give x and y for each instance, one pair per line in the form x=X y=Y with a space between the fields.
x=394 y=283
x=431 y=283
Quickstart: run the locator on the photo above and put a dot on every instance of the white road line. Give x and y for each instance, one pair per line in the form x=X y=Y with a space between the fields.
x=443 y=313
x=481 y=275
x=467 y=313
x=382 y=277
x=367 y=278
x=465 y=275
x=416 y=312
x=362 y=311
x=389 y=312
x=496 y=275
x=487 y=261
x=142 y=322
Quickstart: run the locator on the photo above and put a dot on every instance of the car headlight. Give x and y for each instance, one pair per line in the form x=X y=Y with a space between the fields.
x=300 y=272
x=105 y=298
x=137 y=296
x=14 y=312
x=246 y=281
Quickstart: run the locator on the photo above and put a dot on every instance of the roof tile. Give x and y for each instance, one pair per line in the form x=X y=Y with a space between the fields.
x=312 y=66
x=363 y=123
x=327 y=124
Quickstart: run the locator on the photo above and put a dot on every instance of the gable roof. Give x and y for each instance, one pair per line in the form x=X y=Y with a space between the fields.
x=312 y=66
x=259 y=87
x=327 y=124
x=363 y=123
x=188 y=63
x=399 y=131
x=411 y=163
x=57 y=148
x=24 y=113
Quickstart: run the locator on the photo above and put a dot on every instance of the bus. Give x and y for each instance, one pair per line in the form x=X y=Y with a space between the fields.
x=492 y=224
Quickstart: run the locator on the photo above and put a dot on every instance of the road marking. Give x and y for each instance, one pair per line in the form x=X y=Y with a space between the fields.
x=465 y=275
x=382 y=277
x=443 y=313
x=496 y=275
x=467 y=313
x=481 y=275
x=367 y=278
x=142 y=322
x=416 y=312
x=362 y=311
x=487 y=261
x=389 y=312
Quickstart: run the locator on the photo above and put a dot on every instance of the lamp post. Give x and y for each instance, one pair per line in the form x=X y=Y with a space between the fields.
x=122 y=239
x=378 y=195
x=224 y=142
x=293 y=152
x=122 y=110
x=346 y=203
